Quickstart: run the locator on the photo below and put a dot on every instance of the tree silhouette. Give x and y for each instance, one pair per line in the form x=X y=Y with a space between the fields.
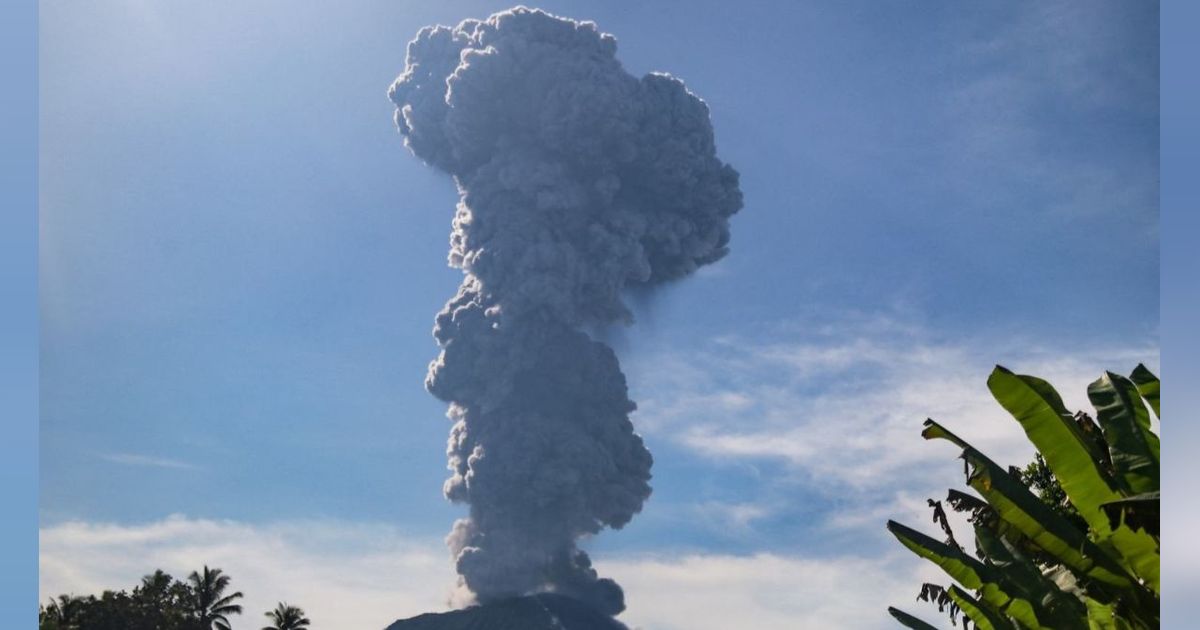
x=209 y=603
x=62 y=613
x=155 y=590
x=160 y=602
x=286 y=617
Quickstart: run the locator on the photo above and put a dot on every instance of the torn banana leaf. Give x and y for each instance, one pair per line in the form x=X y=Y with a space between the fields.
x=910 y=621
x=1147 y=385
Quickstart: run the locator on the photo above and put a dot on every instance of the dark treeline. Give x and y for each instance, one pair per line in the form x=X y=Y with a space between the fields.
x=160 y=602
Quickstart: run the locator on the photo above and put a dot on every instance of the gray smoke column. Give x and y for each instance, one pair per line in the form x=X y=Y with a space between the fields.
x=576 y=180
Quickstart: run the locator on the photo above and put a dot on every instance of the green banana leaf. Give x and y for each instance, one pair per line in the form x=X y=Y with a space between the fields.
x=982 y=514
x=1052 y=429
x=966 y=570
x=1015 y=504
x=1140 y=553
x=1126 y=425
x=1101 y=617
x=908 y=620
x=1047 y=604
x=1140 y=511
x=1147 y=385
x=1035 y=569
x=984 y=617
x=1135 y=455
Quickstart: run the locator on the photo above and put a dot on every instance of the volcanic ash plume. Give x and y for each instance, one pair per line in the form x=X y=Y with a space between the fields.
x=576 y=180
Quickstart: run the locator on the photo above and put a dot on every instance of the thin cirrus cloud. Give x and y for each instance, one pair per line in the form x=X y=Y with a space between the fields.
x=844 y=403
x=365 y=575
x=730 y=515
x=1050 y=72
x=135 y=459
x=828 y=414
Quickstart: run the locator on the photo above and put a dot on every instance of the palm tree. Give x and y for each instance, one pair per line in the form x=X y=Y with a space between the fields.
x=63 y=613
x=286 y=617
x=207 y=602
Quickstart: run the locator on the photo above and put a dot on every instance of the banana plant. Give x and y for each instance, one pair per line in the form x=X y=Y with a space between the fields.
x=1033 y=567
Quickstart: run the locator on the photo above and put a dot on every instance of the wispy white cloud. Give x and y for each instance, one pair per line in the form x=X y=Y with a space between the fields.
x=134 y=459
x=836 y=407
x=768 y=591
x=844 y=403
x=357 y=575
x=1056 y=64
x=727 y=516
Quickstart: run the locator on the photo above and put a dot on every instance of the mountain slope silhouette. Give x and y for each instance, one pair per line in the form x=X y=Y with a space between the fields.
x=544 y=611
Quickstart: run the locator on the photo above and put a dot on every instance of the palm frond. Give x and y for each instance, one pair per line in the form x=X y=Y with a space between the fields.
x=229 y=609
x=227 y=599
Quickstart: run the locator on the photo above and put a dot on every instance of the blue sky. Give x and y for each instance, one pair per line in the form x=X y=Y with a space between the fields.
x=240 y=264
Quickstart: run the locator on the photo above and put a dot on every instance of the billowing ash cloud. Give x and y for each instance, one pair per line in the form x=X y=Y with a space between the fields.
x=576 y=180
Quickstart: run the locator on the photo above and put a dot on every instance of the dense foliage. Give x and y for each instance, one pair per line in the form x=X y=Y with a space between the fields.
x=1070 y=541
x=160 y=602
